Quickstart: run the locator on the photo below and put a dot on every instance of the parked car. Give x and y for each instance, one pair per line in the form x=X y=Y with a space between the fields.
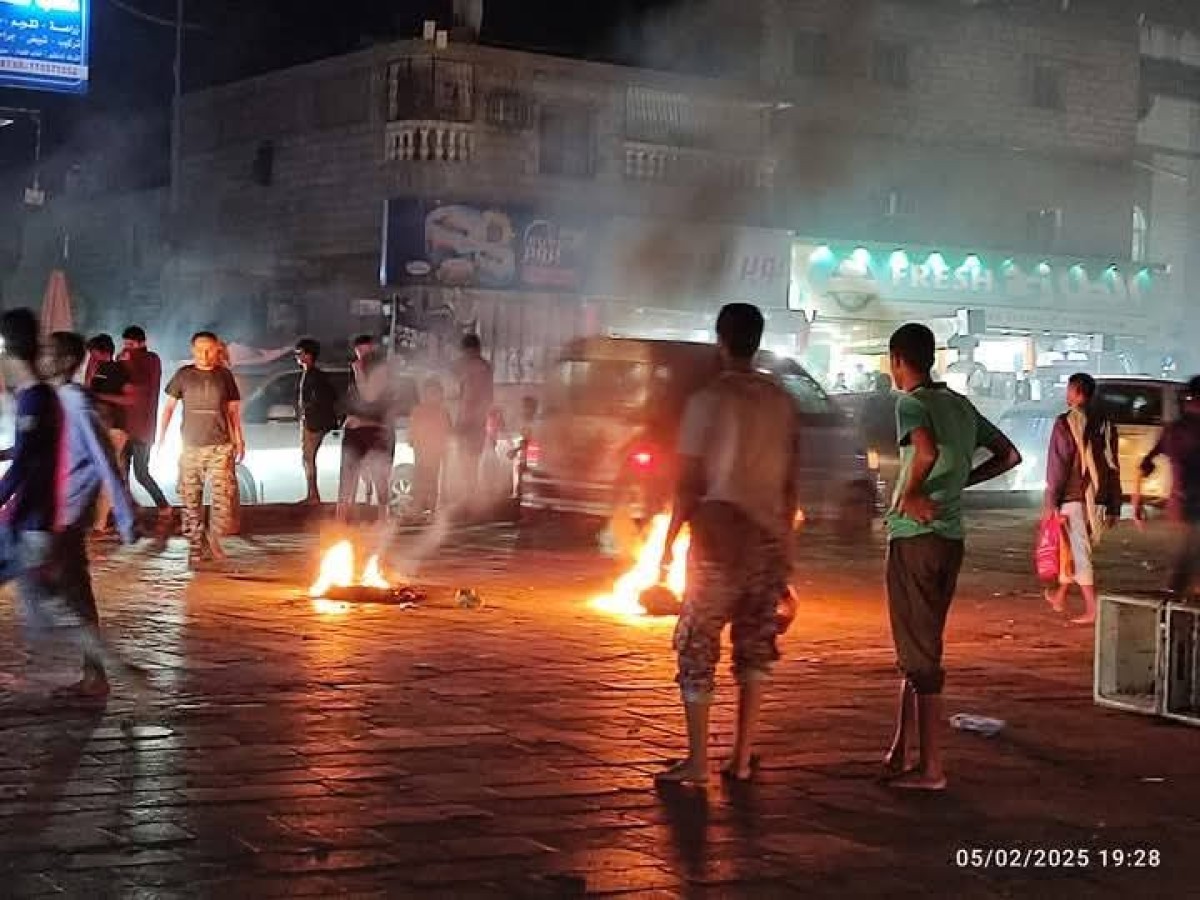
x=1137 y=406
x=1140 y=407
x=271 y=471
x=605 y=444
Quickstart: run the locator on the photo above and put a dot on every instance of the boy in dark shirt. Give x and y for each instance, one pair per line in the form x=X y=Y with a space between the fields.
x=108 y=381
x=31 y=490
x=1180 y=444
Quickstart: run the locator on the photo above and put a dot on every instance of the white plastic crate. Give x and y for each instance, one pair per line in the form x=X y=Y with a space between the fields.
x=1129 y=662
x=1181 y=697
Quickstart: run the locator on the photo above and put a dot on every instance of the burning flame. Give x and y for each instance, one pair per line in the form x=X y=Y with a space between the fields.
x=337 y=570
x=623 y=599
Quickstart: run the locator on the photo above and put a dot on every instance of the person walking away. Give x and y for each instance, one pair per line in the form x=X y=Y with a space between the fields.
x=939 y=432
x=31 y=490
x=212 y=444
x=429 y=430
x=475 y=380
x=317 y=404
x=1083 y=487
x=144 y=371
x=879 y=429
x=368 y=442
x=520 y=453
x=1180 y=444
x=737 y=492
x=108 y=381
x=91 y=469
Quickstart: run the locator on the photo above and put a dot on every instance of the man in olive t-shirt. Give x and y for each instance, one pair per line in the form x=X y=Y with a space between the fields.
x=212 y=444
x=938 y=432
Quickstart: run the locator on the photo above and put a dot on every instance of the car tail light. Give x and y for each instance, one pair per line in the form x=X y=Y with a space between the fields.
x=642 y=458
x=533 y=454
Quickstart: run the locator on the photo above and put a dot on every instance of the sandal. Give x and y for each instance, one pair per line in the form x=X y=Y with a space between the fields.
x=728 y=773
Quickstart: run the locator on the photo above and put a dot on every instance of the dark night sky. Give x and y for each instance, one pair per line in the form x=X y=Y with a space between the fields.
x=131 y=59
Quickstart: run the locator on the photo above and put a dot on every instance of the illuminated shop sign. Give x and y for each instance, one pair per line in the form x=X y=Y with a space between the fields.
x=852 y=278
x=44 y=45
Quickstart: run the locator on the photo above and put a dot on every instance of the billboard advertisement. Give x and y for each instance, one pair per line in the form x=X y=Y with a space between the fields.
x=671 y=263
x=478 y=245
x=44 y=45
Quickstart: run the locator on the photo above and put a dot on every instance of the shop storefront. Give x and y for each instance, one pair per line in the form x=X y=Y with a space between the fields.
x=1000 y=320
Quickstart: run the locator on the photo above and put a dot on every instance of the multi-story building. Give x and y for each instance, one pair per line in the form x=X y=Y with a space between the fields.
x=1167 y=215
x=964 y=157
x=527 y=196
x=847 y=165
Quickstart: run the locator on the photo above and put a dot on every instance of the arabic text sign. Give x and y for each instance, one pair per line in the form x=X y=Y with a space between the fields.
x=682 y=264
x=44 y=45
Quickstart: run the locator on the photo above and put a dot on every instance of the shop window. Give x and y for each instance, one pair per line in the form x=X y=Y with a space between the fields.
x=565 y=142
x=1044 y=228
x=810 y=54
x=889 y=64
x=508 y=109
x=1046 y=85
x=1138 y=251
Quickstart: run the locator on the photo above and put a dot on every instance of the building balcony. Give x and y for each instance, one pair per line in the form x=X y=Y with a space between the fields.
x=666 y=164
x=429 y=141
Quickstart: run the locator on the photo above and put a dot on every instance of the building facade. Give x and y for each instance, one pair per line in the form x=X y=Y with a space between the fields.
x=848 y=166
x=462 y=187
x=971 y=166
x=1167 y=214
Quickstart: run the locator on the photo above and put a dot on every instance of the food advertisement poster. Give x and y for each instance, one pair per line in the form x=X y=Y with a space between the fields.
x=475 y=245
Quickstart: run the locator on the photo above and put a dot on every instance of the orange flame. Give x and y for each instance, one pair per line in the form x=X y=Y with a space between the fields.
x=623 y=599
x=337 y=570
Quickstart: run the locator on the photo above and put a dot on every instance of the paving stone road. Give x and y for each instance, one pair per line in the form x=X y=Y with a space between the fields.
x=507 y=751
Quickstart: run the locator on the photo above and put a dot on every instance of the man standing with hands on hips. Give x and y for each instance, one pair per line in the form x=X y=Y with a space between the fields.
x=939 y=432
x=212 y=444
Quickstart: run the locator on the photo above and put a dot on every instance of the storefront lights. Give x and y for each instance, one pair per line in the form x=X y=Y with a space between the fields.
x=861 y=257
x=936 y=263
x=821 y=256
x=898 y=261
x=1043 y=268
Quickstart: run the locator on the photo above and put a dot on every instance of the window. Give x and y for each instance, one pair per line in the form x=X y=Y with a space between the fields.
x=1140 y=227
x=565 y=142
x=601 y=388
x=1132 y=404
x=278 y=392
x=508 y=109
x=426 y=88
x=810 y=54
x=889 y=66
x=1046 y=82
x=896 y=203
x=1044 y=228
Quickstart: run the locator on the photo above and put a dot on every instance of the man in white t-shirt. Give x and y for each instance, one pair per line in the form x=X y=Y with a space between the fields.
x=737 y=492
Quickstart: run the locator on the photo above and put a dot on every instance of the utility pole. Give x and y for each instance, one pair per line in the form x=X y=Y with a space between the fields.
x=177 y=110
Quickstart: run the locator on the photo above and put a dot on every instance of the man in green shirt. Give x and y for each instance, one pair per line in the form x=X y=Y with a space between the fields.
x=938 y=432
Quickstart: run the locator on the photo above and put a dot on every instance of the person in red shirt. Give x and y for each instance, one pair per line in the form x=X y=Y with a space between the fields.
x=144 y=371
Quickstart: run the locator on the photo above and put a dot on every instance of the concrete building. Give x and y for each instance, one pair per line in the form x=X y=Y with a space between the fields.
x=528 y=196
x=1166 y=222
x=847 y=165
x=964 y=157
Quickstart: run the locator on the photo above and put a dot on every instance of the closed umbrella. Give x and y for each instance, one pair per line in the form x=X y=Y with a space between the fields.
x=56 y=305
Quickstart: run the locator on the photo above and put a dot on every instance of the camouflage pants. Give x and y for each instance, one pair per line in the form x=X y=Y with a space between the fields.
x=737 y=573
x=213 y=466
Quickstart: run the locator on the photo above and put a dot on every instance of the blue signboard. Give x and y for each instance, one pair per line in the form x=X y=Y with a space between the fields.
x=44 y=45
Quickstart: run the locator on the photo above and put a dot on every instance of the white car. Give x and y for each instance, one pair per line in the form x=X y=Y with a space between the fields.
x=272 y=471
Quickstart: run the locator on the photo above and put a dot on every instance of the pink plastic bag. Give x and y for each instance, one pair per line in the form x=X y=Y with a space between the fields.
x=1052 y=554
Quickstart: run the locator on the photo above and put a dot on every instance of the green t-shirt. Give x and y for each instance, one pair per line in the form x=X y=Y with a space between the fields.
x=959 y=430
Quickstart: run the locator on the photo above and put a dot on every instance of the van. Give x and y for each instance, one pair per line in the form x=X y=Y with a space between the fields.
x=612 y=408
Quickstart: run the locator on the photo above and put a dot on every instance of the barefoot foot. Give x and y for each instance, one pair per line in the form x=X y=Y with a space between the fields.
x=683 y=772
x=1084 y=620
x=916 y=780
